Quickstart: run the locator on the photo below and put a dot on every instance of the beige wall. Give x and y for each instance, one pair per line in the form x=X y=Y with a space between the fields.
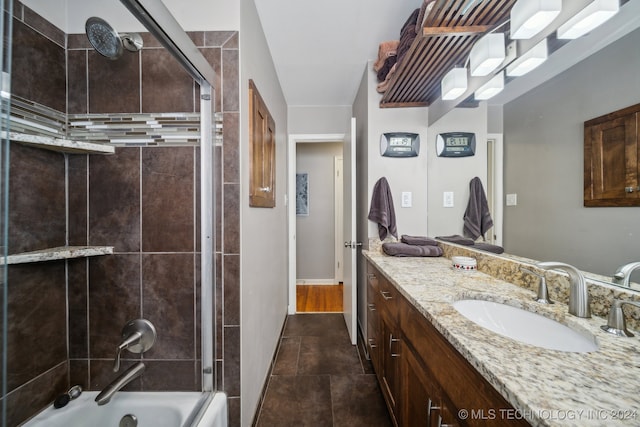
x=315 y=237
x=264 y=248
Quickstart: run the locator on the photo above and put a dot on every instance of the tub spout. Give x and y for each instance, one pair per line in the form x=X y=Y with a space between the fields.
x=125 y=378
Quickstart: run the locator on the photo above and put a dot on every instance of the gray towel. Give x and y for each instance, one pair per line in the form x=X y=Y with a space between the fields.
x=456 y=238
x=489 y=247
x=477 y=219
x=418 y=240
x=381 y=210
x=404 y=250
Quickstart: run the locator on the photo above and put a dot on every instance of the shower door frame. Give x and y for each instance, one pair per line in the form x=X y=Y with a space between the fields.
x=154 y=15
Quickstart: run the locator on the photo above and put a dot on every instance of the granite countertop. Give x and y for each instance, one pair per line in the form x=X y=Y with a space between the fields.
x=546 y=387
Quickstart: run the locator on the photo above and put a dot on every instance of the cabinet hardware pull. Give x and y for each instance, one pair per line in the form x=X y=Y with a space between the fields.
x=386 y=295
x=443 y=425
x=371 y=276
x=372 y=307
x=371 y=341
x=430 y=409
x=628 y=189
x=391 y=341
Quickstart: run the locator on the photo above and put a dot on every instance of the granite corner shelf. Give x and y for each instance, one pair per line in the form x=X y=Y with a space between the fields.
x=57 y=253
x=59 y=144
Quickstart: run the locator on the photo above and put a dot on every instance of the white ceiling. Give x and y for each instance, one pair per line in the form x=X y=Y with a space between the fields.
x=320 y=48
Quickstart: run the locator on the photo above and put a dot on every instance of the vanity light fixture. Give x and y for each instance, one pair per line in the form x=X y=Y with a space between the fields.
x=454 y=83
x=596 y=13
x=529 y=17
x=530 y=60
x=491 y=88
x=487 y=54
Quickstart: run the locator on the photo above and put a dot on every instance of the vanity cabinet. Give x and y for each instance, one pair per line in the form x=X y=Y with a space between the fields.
x=384 y=337
x=424 y=379
x=611 y=159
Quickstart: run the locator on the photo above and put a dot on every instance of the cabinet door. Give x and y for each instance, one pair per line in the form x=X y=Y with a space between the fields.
x=373 y=326
x=611 y=162
x=391 y=350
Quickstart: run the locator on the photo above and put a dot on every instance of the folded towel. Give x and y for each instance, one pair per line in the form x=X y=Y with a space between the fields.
x=404 y=250
x=418 y=240
x=382 y=87
x=489 y=247
x=456 y=238
x=381 y=210
x=386 y=67
x=427 y=5
x=477 y=218
x=385 y=50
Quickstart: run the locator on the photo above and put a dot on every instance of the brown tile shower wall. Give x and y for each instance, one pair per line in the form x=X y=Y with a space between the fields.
x=143 y=200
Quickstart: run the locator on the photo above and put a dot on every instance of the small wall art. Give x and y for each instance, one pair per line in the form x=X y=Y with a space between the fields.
x=302 y=194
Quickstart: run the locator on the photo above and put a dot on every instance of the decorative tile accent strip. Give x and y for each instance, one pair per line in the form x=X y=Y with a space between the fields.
x=147 y=129
x=33 y=118
x=136 y=129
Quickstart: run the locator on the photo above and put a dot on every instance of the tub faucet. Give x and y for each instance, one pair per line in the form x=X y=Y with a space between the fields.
x=578 y=292
x=623 y=273
x=125 y=378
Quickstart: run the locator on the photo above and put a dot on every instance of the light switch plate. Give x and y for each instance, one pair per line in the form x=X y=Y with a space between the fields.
x=512 y=199
x=447 y=199
x=406 y=199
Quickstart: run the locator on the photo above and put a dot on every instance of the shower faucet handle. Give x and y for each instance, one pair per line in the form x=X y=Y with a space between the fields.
x=138 y=336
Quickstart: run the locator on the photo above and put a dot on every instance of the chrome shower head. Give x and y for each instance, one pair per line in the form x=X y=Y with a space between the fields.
x=107 y=42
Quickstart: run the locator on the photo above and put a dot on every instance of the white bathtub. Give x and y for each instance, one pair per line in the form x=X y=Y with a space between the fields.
x=152 y=409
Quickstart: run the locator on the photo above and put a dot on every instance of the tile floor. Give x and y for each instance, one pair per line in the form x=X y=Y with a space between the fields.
x=320 y=379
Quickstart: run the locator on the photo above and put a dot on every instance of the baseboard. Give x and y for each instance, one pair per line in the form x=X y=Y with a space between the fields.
x=331 y=281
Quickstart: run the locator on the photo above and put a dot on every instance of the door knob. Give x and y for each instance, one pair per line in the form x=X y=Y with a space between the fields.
x=352 y=244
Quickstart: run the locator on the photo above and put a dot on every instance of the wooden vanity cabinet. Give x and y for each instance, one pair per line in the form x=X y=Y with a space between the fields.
x=384 y=333
x=424 y=380
x=612 y=159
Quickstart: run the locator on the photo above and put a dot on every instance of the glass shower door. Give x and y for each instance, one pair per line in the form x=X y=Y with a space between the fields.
x=5 y=102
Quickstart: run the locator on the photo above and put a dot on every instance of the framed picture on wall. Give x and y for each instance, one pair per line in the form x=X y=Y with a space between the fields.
x=302 y=194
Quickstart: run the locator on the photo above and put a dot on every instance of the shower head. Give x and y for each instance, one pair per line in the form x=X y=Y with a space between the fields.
x=107 y=42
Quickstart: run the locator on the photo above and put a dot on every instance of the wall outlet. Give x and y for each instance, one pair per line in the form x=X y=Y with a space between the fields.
x=447 y=199
x=512 y=199
x=406 y=199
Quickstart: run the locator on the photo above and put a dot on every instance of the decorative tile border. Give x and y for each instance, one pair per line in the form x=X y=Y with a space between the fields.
x=144 y=129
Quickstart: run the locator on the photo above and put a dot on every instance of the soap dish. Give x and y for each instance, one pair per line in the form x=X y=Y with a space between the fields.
x=464 y=263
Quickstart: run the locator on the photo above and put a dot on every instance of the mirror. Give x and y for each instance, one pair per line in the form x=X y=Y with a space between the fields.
x=544 y=145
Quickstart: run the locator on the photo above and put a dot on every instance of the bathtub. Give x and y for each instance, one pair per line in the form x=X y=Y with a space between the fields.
x=152 y=409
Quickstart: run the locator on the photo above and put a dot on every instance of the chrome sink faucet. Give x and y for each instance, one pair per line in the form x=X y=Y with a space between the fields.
x=138 y=336
x=579 y=301
x=623 y=273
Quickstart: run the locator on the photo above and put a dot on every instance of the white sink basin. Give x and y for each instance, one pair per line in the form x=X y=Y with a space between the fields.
x=525 y=326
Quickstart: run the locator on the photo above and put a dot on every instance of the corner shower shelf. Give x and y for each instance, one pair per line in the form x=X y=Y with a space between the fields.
x=61 y=252
x=59 y=144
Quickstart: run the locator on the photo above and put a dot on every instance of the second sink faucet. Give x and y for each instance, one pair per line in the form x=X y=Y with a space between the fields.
x=623 y=273
x=579 y=302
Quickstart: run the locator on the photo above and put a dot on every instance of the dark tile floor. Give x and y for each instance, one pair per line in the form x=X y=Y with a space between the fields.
x=320 y=379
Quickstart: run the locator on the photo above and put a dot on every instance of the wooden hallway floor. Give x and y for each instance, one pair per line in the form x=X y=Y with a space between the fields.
x=319 y=298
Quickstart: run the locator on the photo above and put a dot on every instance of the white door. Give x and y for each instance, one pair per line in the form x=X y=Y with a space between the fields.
x=349 y=296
